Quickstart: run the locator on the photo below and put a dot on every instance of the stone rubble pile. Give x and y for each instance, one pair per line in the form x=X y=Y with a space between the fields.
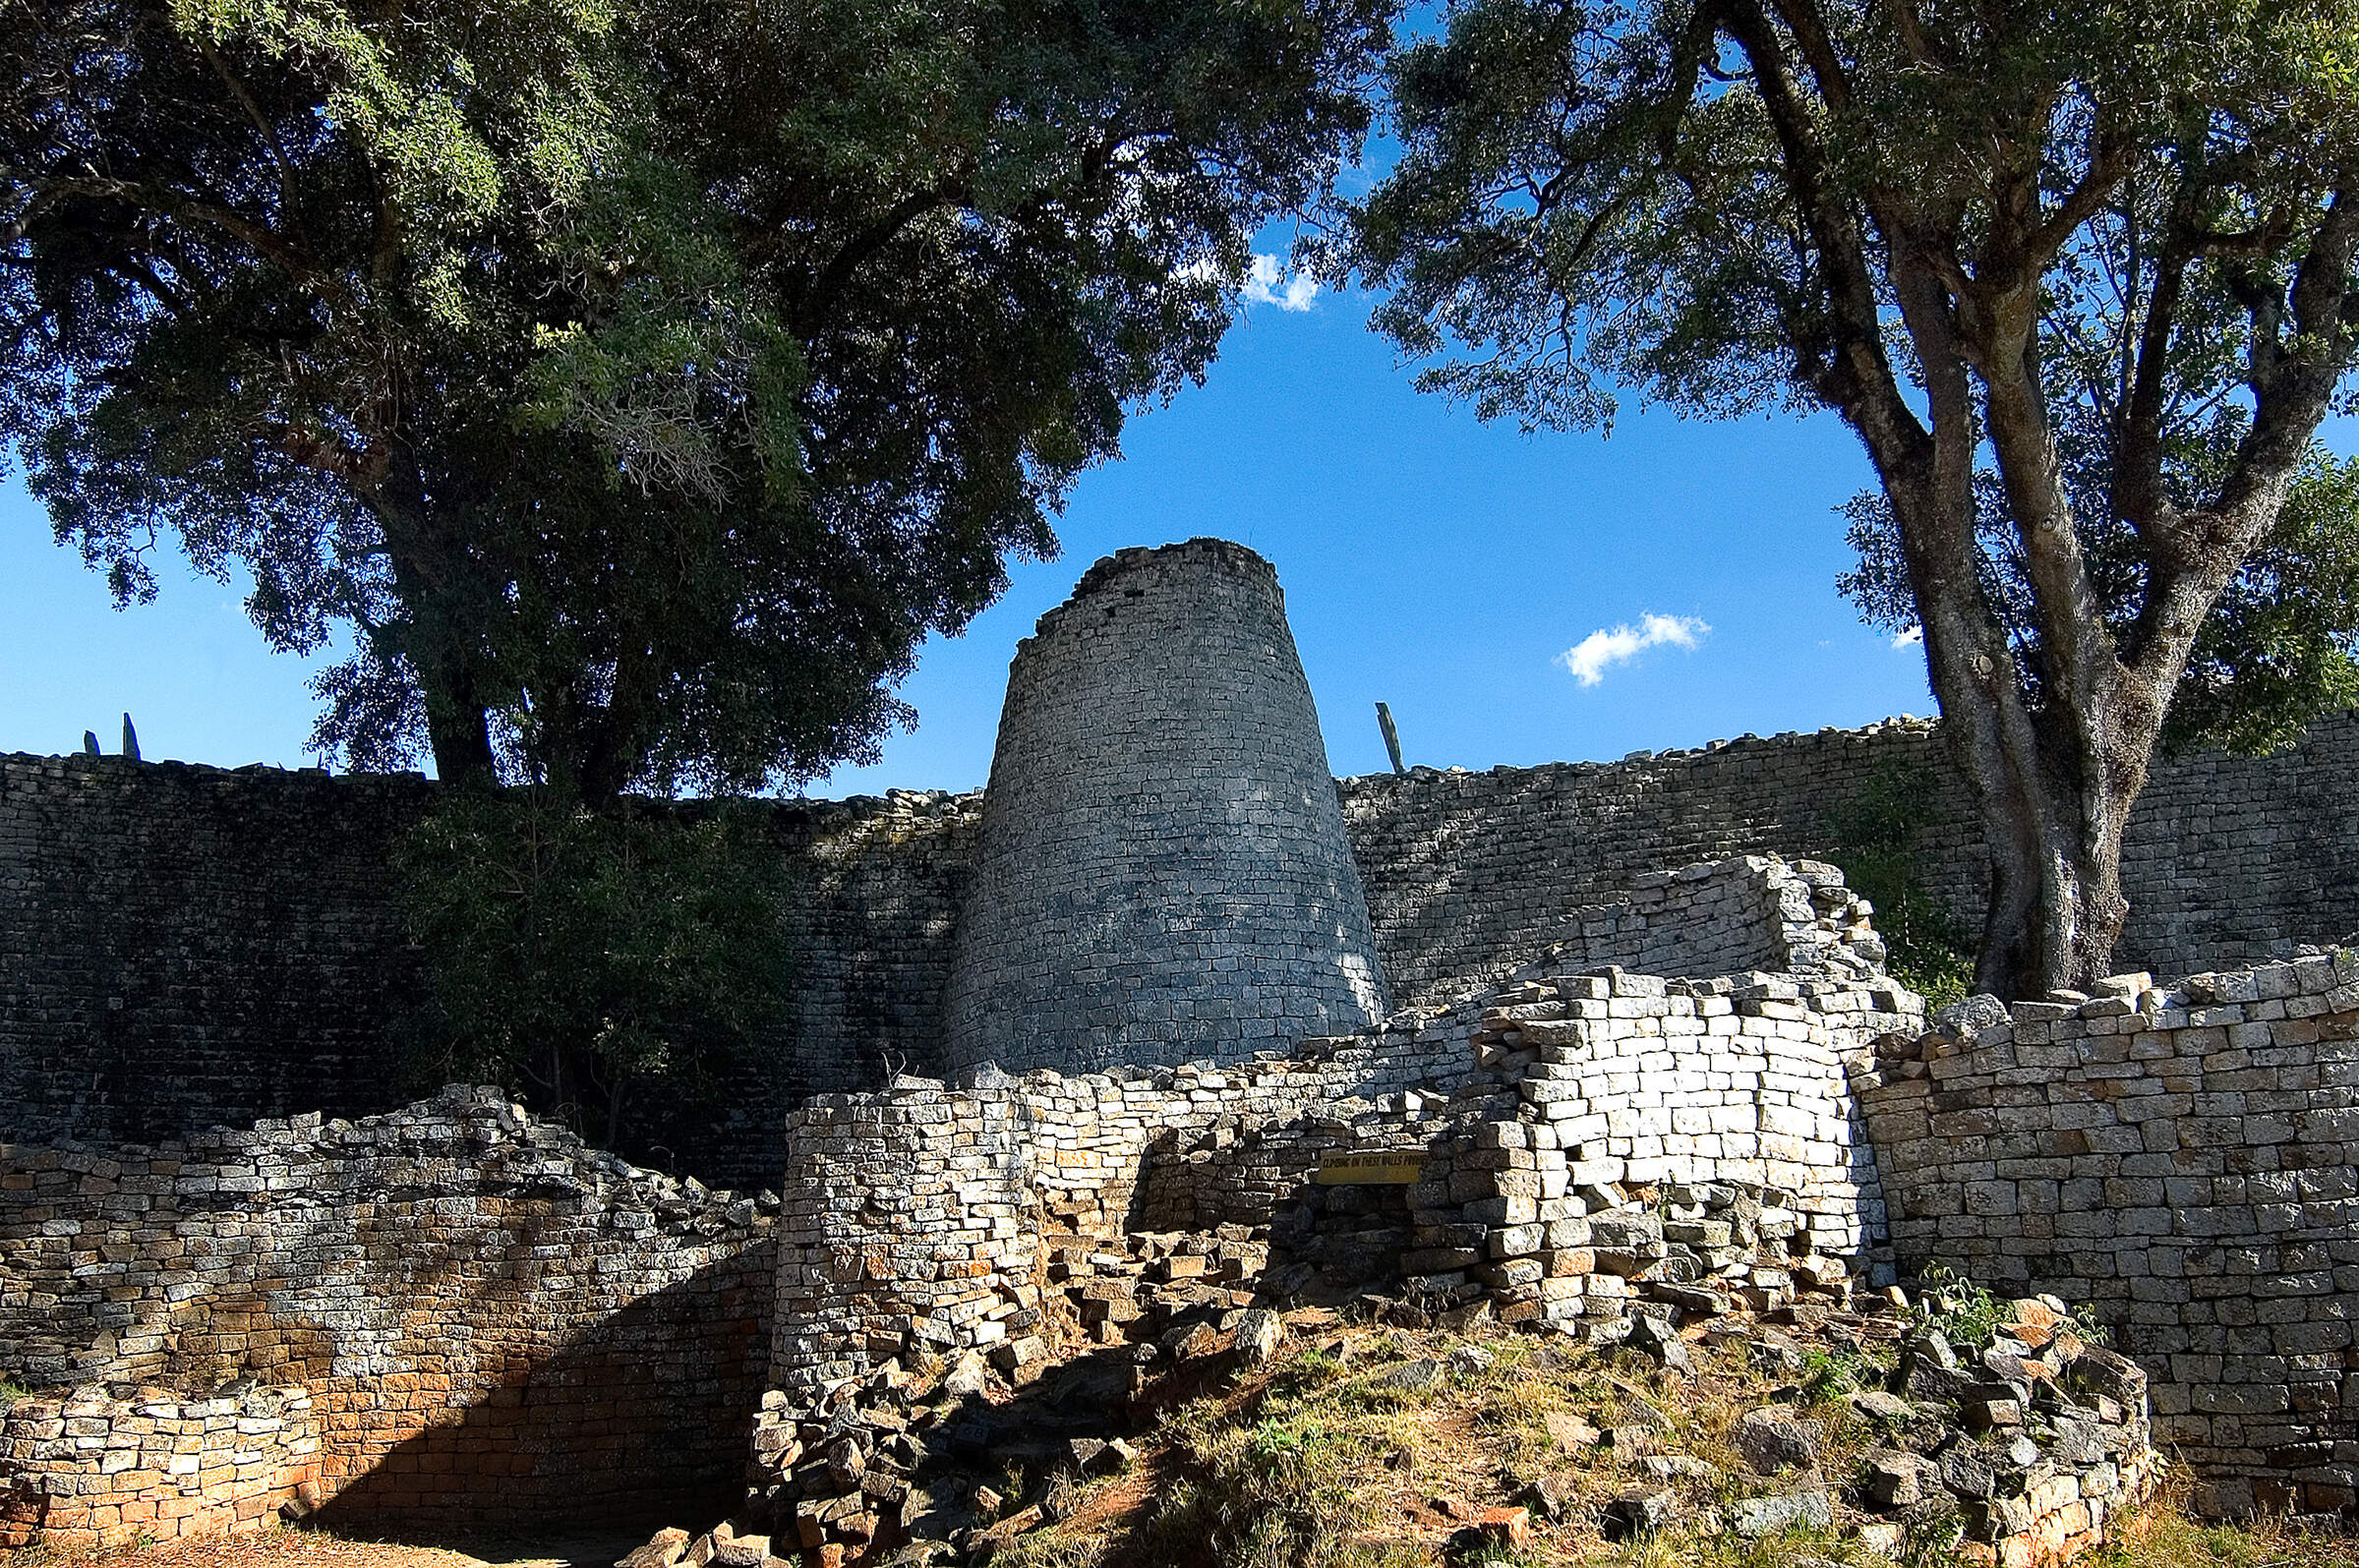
x=2020 y=1446
x=2037 y=1437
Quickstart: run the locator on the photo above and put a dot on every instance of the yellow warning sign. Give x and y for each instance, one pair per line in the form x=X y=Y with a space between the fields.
x=1371 y=1167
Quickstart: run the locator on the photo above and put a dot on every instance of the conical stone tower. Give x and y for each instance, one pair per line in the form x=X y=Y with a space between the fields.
x=1163 y=875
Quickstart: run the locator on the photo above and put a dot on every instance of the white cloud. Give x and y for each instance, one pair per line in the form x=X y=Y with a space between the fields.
x=1591 y=657
x=1910 y=638
x=1261 y=285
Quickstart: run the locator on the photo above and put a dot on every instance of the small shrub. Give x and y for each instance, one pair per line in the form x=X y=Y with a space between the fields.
x=1874 y=839
x=590 y=960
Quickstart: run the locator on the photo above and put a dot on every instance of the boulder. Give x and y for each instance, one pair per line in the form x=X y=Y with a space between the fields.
x=1755 y=1517
x=1774 y=1438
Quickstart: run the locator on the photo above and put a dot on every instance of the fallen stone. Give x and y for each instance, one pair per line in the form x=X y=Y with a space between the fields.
x=1412 y=1376
x=1774 y=1438
x=1675 y=1467
x=663 y=1550
x=1897 y=1479
x=1553 y=1498
x=1259 y=1336
x=1467 y=1360
x=1755 y=1517
x=741 y=1551
x=1572 y=1433
x=1634 y=1514
x=1962 y=1472
x=1878 y=1406
x=967 y=1375
x=1991 y=1414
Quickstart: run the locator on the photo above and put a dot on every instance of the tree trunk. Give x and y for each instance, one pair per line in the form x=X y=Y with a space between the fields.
x=2054 y=843
x=458 y=730
x=430 y=572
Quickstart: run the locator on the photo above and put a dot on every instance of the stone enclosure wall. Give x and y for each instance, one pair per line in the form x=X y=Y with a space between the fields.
x=186 y=946
x=915 y=1216
x=490 y=1321
x=2226 y=860
x=2180 y=1158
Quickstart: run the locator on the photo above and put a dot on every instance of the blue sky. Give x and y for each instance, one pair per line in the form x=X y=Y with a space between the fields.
x=1437 y=564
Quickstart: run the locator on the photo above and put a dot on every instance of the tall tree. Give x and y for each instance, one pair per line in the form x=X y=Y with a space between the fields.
x=1967 y=228
x=638 y=381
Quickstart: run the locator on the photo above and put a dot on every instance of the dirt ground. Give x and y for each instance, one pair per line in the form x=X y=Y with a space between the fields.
x=305 y=1548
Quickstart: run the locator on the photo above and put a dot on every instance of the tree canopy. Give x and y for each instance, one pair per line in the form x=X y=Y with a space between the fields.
x=2279 y=649
x=637 y=383
x=2094 y=262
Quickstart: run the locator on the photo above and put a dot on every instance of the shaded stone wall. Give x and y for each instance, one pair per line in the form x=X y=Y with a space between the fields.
x=495 y=1324
x=184 y=947
x=1162 y=873
x=2181 y=1159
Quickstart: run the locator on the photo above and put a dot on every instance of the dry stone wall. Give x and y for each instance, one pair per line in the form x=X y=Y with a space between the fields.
x=2179 y=1158
x=2227 y=860
x=184 y=947
x=494 y=1324
x=915 y=1216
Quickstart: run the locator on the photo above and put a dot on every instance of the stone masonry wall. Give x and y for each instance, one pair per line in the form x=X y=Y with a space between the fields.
x=2180 y=1158
x=90 y=1469
x=1722 y=917
x=2227 y=860
x=495 y=1324
x=186 y=946
x=915 y=1216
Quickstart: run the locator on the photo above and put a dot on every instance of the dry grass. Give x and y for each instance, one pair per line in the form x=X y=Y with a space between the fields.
x=2163 y=1534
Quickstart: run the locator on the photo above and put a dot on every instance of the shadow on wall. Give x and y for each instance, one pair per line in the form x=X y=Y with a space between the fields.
x=639 y=1422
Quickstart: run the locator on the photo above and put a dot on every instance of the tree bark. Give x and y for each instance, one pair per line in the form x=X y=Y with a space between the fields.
x=429 y=567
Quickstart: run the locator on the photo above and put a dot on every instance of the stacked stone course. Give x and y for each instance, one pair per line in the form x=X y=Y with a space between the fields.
x=2181 y=1160
x=93 y=1470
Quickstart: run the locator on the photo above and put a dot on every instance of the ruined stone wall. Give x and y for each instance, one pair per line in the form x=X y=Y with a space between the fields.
x=915 y=1216
x=495 y=1324
x=1162 y=873
x=2227 y=860
x=2182 y=1160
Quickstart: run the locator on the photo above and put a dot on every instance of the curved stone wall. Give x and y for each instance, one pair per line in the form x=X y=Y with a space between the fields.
x=1164 y=873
